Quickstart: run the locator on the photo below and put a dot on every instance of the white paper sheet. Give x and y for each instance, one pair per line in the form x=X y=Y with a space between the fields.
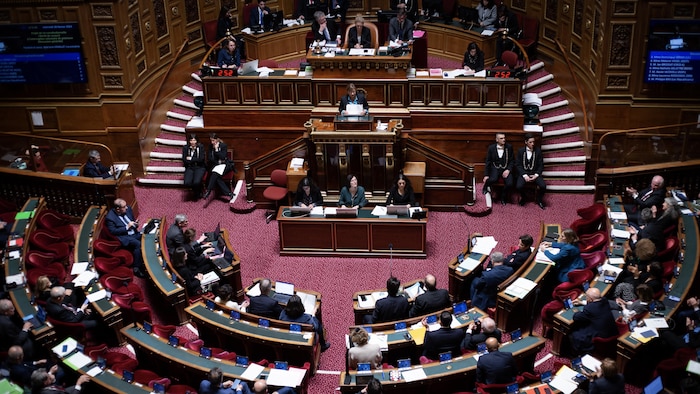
x=219 y=169
x=616 y=233
x=614 y=215
x=254 y=291
x=469 y=264
x=96 y=296
x=484 y=245
x=252 y=372
x=656 y=322
x=291 y=377
x=84 y=278
x=77 y=361
x=94 y=371
x=353 y=109
x=65 y=347
x=379 y=210
x=78 y=268
x=590 y=362
x=411 y=375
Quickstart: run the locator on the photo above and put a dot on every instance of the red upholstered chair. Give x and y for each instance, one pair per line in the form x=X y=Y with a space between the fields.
x=547 y=314
x=530 y=33
x=57 y=224
x=210 y=32
x=510 y=58
x=48 y=242
x=483 y=388
x=64 y=330
x=163 y=381
x=43 y=263
x=127 y=365
x=164 y=331
x=669 y=267
x=425 y=360
x=121 y=285
x=224 y=355
x=579 y=277
x=670 y=252
x=271 y=63
x=110 y=358
x=593 y=242
x=142 y=311
x=594 y=259
x=246 y=13
x=605 y=347
x=109 y=248
x=277 y=192
x=588 y=226
x=54 y=272
x=593 y=211
x=105 y=265
x=195 y=344
x=145 y=376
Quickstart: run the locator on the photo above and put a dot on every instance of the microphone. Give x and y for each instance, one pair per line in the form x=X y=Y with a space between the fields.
x=391 y=259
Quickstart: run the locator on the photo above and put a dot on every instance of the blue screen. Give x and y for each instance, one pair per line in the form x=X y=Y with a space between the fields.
x=446 y=356
x=364 y=367
x=404 y=363
x=281 y=365
x=460 y=308
x=295 y=327
x=241 y=360
x=264 y=323
x=400 y=326
x=432 y=319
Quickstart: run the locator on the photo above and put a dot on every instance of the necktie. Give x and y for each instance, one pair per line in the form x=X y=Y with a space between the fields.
x=261 y=17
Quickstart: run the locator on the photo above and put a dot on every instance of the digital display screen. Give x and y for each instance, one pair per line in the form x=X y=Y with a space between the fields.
x=446 y=356
x=400 y=326
x=242 y=360
x=41 y=53
x=460 y=308
x=295 y=327
x=281 y=365
x=673 y=53
x=404 y=363
x=481 y=348
x=363 y=367
x=263 y=323
x=432 y=319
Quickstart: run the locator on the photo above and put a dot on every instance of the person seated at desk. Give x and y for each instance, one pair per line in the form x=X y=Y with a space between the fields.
x=260 y=387
x=432 y=300
x=506 y=26
x=215 y=384
x=373 y=387
x=5 y=228
x=229 y=57
x=58 y=309
x=401 y=192
x=473 y=59
x=21 y=369
x=218 y=155
x=496 y=367
x=595 y=320
x=257 y=17
x=42 y=290
x=446 y=339
x=94 y=168
x=175 y=237
x=488 y=13
x=629 y=309
x=478 y=332
x=410 y=6
x=516 y=259
x=650 y=229
x=401 y=29
x=44 y=382
x=193 y=156
x=192 y=280
x=361 y=351
x=645 y=198
x=352 y=97
x=14 y=331
x=358 y=36
x=324 y=29
x=484 y=288
x=606 y=379
x=569 y=256
x=393 y=307
x=223 y=294
x=499 y=164
x=294 y=312
x=198 y=259
x=122 y=224
x=352 y=195
x=308 y=195
x=264 y=305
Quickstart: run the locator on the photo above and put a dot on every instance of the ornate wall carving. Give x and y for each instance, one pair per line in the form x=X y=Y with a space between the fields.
x=684 y=10
x=48 y=14
x=624 y=8
x=620 y=44
x=107 y=44
x=112 y=81
x=102 y=11
x=191 y=11
x=161 y=20
x=136 y=32
x=618 y=81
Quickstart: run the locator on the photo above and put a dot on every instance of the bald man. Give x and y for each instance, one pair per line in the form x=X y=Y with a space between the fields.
x=477 y=334
x=645 y=198
x=260 y=387
x=595 y=320
x=496 y=367
x=432 y=300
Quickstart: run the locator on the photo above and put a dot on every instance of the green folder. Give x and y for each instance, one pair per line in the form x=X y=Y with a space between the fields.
x=24 y=215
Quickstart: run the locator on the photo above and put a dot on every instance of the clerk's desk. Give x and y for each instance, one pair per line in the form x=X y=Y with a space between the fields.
x=449 y=376
x=344 y=65
x=287 y=43
x=21 y=295
x=181 y=364
x=363 y=236
x=513 y=312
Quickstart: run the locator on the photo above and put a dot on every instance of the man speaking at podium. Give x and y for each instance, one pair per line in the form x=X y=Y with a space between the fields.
x=354 y=101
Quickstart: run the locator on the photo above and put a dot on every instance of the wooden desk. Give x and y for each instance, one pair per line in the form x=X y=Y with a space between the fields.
x=451 y=41
x=287 y=43
x=363 y=236
x=445 y=377
x=358 y=67
x=361 y=312
x=180 y=364
x=21 y=296
x=513 y=312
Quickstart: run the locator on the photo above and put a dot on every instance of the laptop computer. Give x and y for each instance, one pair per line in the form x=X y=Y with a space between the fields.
x=213 y=236
x=400 y=210
x=283 y=291
x=248 y=67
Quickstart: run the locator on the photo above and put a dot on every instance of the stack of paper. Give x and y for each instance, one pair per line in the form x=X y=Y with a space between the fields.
x=540 y=257
x=484 y=245
x=564 y=380
x=644 y=334
x=379 y=339
x=520 y=288
x=368 y=300
x=411 y=375
x=469 y=264
x=309 y=301
x=617 y=233
x=414 y=290
x=297 y=162
x=615 y=215
x=291 y=377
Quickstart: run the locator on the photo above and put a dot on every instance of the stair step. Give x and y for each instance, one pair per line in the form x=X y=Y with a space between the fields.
x=557 y=118
x=554 y=104
x=571 y=188
x=540 y=79
x=560 y=132
x=171 y=169
x=164 y=155
x=564 y=160
x=563 y=174
x=536 y=65
x=186 y=101
x=196 y=77
x=564 y=145
x=180 y=113
x=193 y=87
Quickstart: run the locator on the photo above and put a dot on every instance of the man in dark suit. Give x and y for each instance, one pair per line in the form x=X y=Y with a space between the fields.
x=44 y=382
x=652 y=230
x=264 y=305
x=122 y=224
x=257 y=17
x=361 y=40
x=13 y=331
x=478 y=333
x=445 y=339
x=516 y=259
x=499 y=164
x=401 y=28
x=175 y=237
x=307 y=8
x=61 y=311
x=530 y=165
x=393 y=307
x=484 y=289
x=645 y=198
x=353 y=98
x=432 y=300
x=324 y=29
x=595 y=320
x=94 y=168
x=496 y=367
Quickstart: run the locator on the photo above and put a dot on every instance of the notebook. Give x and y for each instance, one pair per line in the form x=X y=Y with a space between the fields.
x=283 y=291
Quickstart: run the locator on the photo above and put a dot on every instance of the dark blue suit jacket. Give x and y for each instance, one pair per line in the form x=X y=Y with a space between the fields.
x=96 y=170
x=516 y=259
x=117 y=227
x=607 y=386
x=442 y=340
x=595 y=320
x=265 y=306
x=496 y=367
x=484 y=288
x=430 y=301
x=390 y=309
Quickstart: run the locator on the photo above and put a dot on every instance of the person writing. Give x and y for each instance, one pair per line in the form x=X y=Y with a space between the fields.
x=401 y=29
x=401 y=193
x=352 y=97
x=569 y=256
x=359 y=37
x=352 y=195
x=308 y=195
x=228 y=55
x=473 y=59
